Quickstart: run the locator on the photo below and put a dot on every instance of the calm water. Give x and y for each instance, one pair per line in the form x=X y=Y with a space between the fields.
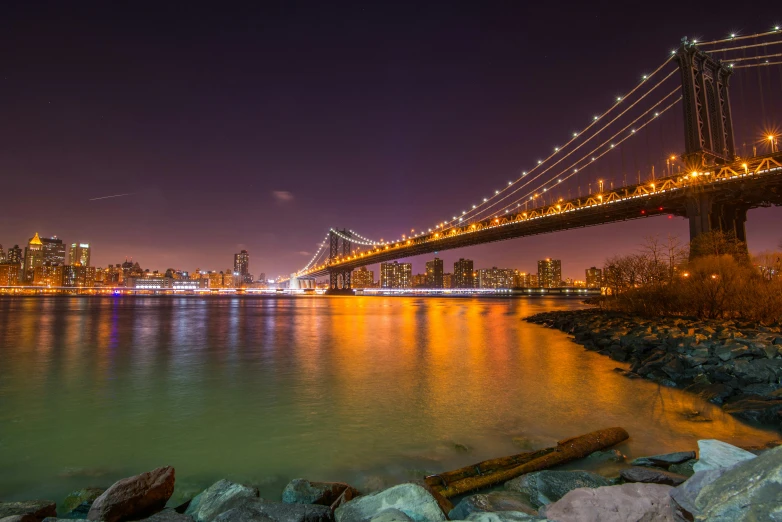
x=370 y=390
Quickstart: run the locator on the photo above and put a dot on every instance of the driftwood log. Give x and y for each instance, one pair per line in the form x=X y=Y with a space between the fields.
x=494 y=471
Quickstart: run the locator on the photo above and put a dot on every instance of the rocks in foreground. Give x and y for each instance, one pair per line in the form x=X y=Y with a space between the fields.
x=78 y=503
x=491 y=502
x=664 y=461
x=411 y=499
x=715 y=454
x=545 y=487
x=302 y=491
x=647 y=502
x=651 y=476
x=218 y=498
x=39 y=509
x=262 y=511
x=134 y=497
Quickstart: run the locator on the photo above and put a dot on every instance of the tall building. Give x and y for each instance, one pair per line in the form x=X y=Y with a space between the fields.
x=53 y=251
x=447 y=280
x=419 y=281
x=496 y=277
x=549 y=273
x=362 y=278
x=33 y=257
x=396 y=275
x=79 y=254
x=14 y=255
x=242 y=266
x=2 y=254
x=48 y=275
x=594 y=277
x=228 y=279
x=434 y=273
x=463 y=276
x=78 y=276
x=527 y=280
x=9 y=274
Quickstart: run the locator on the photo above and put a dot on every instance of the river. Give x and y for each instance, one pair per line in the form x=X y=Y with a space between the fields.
x=369 y=390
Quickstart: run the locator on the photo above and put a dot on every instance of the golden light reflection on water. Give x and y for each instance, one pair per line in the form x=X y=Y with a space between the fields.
x=262 y=390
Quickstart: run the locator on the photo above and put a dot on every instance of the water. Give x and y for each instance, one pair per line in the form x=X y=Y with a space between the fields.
x=369 y=390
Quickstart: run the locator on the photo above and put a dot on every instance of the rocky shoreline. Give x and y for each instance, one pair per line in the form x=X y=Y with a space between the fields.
x=735 y=365
x=723 y=483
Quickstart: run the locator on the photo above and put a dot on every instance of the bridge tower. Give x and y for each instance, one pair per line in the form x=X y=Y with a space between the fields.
x=708 y=138
x=339 y=280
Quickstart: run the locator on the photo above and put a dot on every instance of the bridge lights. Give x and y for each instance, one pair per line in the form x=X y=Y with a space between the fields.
x=746 y=168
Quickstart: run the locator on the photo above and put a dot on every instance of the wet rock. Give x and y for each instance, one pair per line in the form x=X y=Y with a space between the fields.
x=611 y=455
x=134 y=497
x=78 y=503
x=664 y=460
x=544 y=487
x=391 y=515
x=411 y=499
x=503 y=516
x=651 y=476
x=749 y=491
x=715 y=454
x=685 y=468
x=755 y=408
x=281 y=512
x=637 y=502
x=489 y=502
x=168 y=515
x=726 y=352
x=242 y=513
x=40 y=509
x=683 y=496
x=715 y=393
x=221 y=496
x=302 y=491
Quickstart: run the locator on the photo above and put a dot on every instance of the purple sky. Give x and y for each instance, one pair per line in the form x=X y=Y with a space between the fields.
x=262 y=127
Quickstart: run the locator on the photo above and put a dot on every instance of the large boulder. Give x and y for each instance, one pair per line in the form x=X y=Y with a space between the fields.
x=715 y=454
x=78 y=503
x=221 y=496
x=134 y=497
x=391 y=515
x=545 y=487
x=636 y=502
x=665 y=460
x=411 y=499
x=259 y=510
x=40 y=509
x=752 y=490
x=683 y=496
x=302 y=491
x=494 y=501
x=651 y=476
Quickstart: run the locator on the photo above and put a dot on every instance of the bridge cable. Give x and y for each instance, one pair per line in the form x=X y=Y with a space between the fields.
x=736 y=38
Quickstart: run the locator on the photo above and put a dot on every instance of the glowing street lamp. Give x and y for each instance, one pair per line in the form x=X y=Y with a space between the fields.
x=772 y=142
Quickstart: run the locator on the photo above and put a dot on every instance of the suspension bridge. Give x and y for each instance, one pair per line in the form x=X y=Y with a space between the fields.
x=714 y=185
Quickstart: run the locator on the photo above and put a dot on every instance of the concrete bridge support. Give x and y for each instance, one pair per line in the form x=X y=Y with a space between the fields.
x=706 y=215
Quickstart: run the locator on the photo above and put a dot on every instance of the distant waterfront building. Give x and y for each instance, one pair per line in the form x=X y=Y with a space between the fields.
x=434 y=273
x=396 y=275
x=594 y=277
x=230 y=279
x=527 y=280
x=2 y=254
x=9 y=273
x=419 y=281
x=48 y=275
x=549 y=273
x=496 y=277
x=262 y=278
x=186 y=283
x=79 y=254
x=33 y=257
x=362 y=278
x=242 y=266
x=14 y=255
x=463 y=274
x=78 y=276
x=149 y=282
x=53 y=251
x=447 y=280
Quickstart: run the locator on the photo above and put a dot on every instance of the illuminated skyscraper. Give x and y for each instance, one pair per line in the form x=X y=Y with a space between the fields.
x=79 y=254
x=549 y=273
x=78 y=276
x=53 y=251
x=396 y=275
x=14 y=255
x=242 y=266
x=434 y=273
x=2 y=254
x=362 y=278
x=33 y=257
x=463 y=274
x=594 y=277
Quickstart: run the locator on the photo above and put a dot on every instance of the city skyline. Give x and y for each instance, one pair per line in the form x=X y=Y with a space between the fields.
x=146 y=164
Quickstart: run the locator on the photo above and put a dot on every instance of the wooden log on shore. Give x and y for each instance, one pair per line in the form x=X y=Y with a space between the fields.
x=494 y=471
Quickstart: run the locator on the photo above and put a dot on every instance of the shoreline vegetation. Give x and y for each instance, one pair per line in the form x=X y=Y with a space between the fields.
x=721 y=482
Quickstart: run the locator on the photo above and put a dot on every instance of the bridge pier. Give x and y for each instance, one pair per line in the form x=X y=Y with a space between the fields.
x=706 y=215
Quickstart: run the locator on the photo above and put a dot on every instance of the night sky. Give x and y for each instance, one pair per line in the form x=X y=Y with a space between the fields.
x=262 y=127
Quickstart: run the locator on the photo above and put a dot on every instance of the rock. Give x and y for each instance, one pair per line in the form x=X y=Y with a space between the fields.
x=134 y=497
x=726 y=352
x=411 y=499
x=40 y=509
x=544 y=487
x=751 y=490
x=78 y=503
x=302 y=491
x=611 y=455
x=715 y=454
x=391 y=515
x=651 y=476
x=27 y=517
x=494 y=501
x=715 y=393
x=755 y=408
x=503 y=516
x=685 y=468
x=221 y=496
x=636 y=502
x=683 y=496
x=242 y=513
x=281 y=512
x=664 y=460
x=168 y=515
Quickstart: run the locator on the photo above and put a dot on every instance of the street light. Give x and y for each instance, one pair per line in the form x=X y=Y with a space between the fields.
x=772 y=142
